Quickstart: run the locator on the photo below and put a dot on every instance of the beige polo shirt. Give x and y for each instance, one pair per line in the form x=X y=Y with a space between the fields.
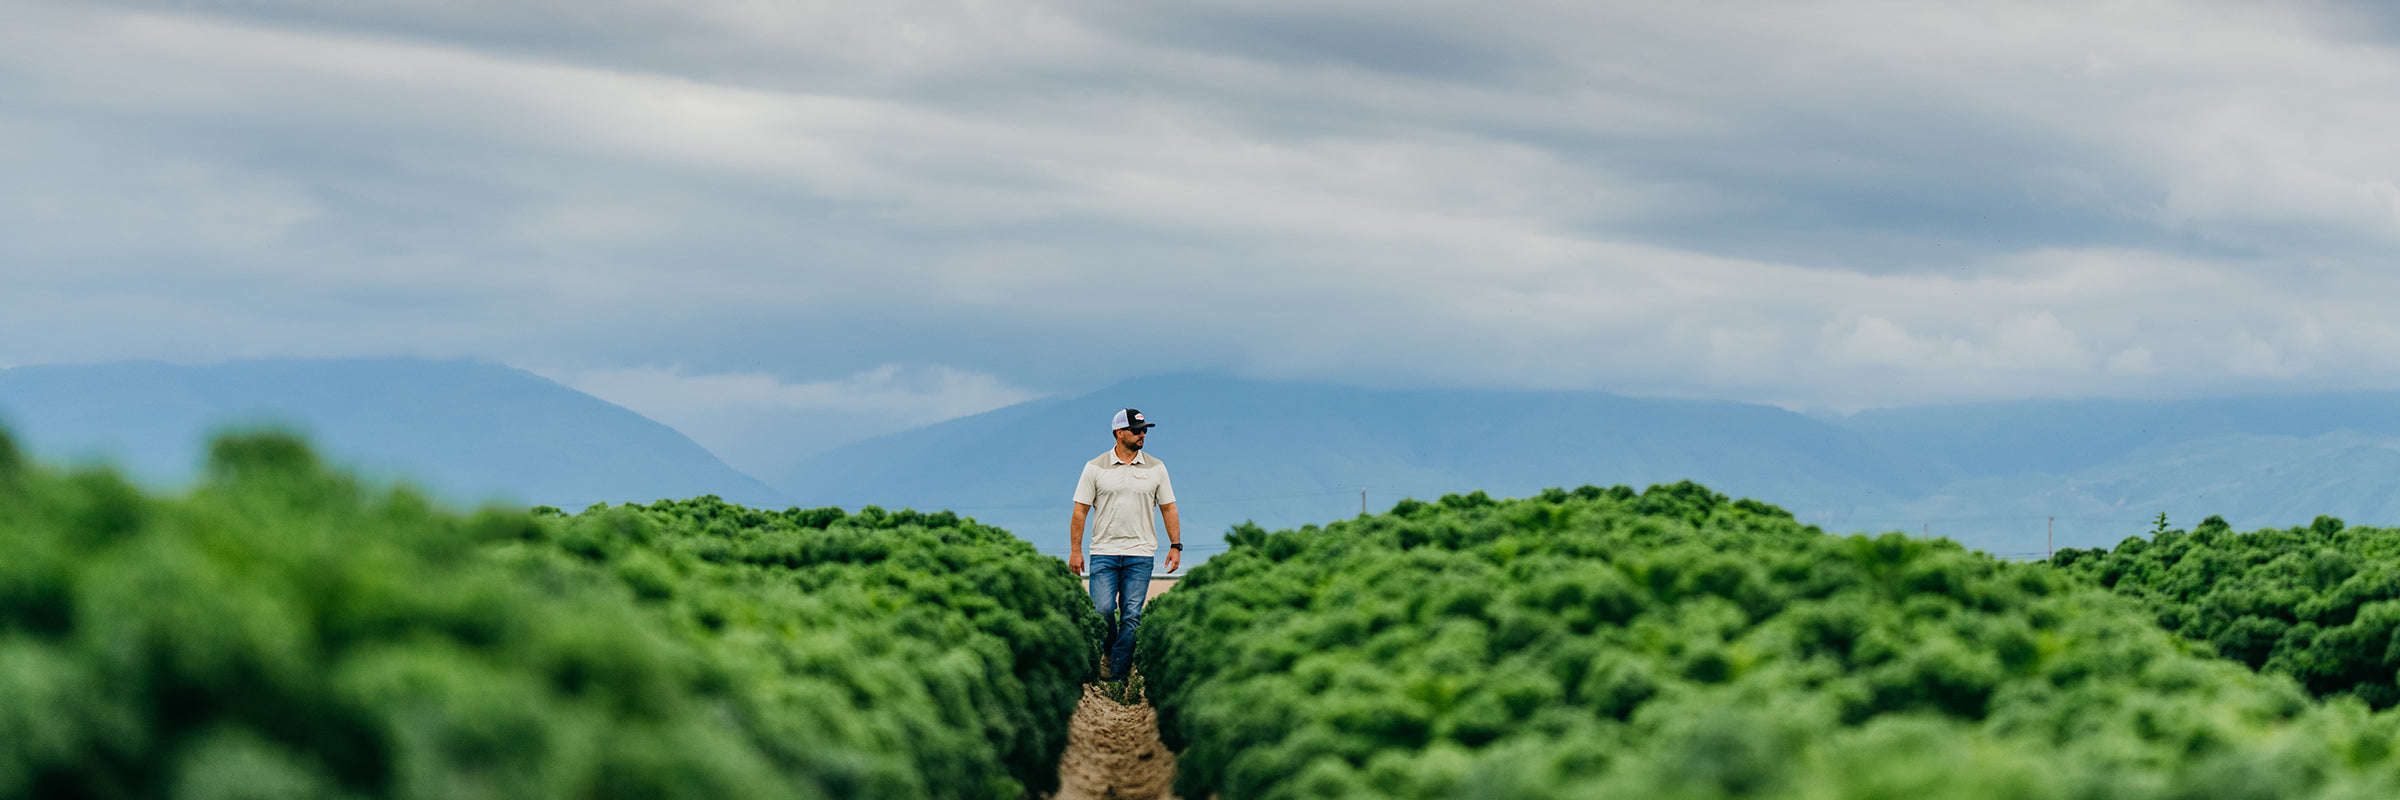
x=1124 y=498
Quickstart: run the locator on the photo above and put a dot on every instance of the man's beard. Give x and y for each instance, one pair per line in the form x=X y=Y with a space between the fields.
x=1134 y=445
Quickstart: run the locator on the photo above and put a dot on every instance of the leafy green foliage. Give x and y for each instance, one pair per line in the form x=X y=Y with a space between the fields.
x=283 y=631
x=891 y=654
x=2319 y=603
x=1127 y=692
x=1672 y=643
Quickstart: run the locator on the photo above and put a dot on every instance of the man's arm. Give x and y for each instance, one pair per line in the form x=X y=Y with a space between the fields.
x=1087 y=492
x=1075 y=538
x=1174 y=535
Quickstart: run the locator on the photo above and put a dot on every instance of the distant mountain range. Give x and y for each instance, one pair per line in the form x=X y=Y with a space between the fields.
x=1998 y=476
x=1292 y=453
x=2104 y=468
x=468 y=432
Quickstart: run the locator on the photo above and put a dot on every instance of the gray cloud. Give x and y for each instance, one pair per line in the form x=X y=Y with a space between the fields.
x=1812 y=203
x=765 y=426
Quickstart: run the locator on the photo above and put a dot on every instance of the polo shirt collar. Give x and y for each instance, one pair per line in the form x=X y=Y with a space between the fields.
x=1138 y=458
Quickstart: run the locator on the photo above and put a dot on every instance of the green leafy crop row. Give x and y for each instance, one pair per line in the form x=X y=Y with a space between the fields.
x=2320 y=603
x=283 y=631
x=893 y=654
x=1670 y=643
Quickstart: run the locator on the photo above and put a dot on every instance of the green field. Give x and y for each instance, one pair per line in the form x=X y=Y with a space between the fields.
x=283 y=630
x=1673 y=643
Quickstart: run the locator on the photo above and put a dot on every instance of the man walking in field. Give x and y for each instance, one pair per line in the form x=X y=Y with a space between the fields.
x=1115 y=495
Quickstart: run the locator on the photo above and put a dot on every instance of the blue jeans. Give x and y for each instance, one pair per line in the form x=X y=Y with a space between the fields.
x=1119 y=585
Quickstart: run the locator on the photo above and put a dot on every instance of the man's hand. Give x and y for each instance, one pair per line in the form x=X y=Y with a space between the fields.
x=1075 y=563
x=1174 y=559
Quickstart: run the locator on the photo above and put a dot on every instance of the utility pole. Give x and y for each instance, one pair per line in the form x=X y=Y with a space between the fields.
x=1362 y=502
x=2050 y=536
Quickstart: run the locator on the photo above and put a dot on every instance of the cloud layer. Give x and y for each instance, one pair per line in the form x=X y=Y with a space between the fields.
x=1821 y=203
x=764 y=426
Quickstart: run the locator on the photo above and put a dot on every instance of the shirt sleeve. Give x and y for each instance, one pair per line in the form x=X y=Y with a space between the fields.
x=1087 y=487
x=1166 y=486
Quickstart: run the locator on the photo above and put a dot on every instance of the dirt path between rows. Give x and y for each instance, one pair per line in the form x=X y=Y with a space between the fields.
x=1113 y=753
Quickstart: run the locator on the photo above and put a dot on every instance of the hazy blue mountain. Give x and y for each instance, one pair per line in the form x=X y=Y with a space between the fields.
x=2252 y=481
x=2054 y=436
x=2105 y=468
x=1993 y=475
x=467 y=431
x=1294 y=453
x=1997 y=476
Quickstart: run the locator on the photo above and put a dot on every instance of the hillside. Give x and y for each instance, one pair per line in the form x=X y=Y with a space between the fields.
x=467 y=431
x=1991 y=475
x=2106 y=467
x=2054 y=436
x=1293 y=453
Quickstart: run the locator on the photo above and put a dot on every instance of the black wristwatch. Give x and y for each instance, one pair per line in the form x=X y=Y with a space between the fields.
x=1174 y=545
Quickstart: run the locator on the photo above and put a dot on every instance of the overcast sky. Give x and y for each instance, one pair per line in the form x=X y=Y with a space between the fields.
x=890 y=211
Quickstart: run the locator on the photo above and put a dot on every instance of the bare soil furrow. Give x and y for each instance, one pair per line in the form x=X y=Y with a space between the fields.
x=1113 y=752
